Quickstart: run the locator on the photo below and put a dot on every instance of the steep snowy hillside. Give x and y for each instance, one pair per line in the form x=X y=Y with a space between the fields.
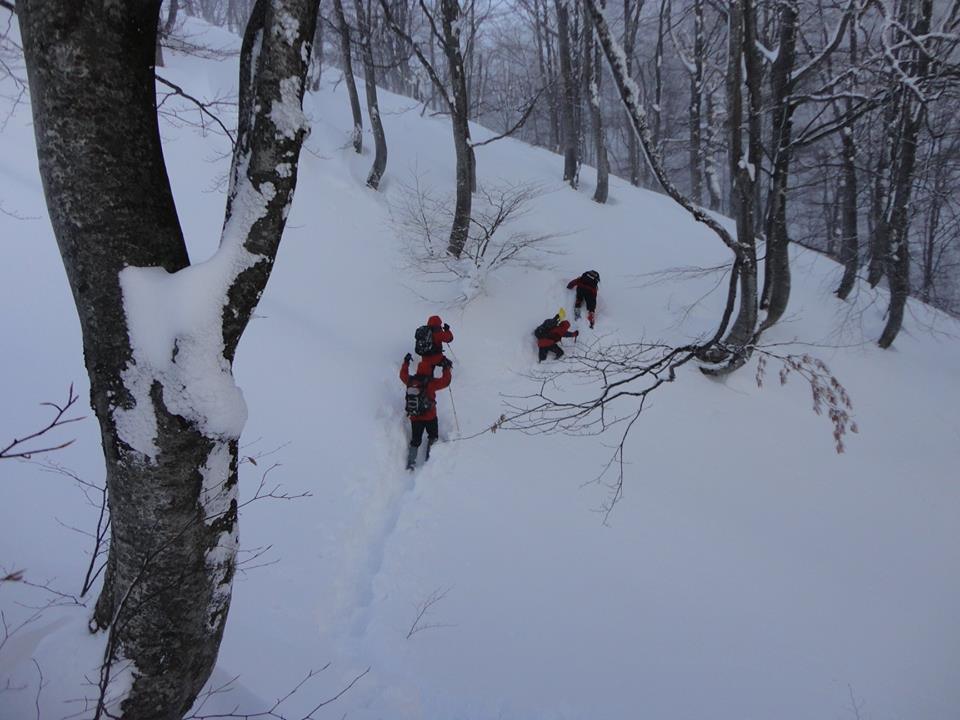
x=748 y=572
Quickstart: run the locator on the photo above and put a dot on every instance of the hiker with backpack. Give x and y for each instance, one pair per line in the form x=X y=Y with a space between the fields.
x=586 y=286
x=429 y=340
x=421 y=403
x=550 y=332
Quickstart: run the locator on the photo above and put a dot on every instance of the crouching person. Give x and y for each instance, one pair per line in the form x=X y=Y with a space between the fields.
x=549 y=334
x=421 y=404
x=586 y=286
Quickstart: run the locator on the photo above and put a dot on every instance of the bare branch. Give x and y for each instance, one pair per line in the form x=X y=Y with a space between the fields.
x=202 y=106
x=15 y=448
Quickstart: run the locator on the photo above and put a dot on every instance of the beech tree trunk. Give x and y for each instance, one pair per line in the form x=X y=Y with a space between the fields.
x=696 y=105
x=849 y=236
x=171 y=472
x=711 y=170
x=571 y=130
x=346 y=58
x=631 y=23
x=658 y=76
x=744 y=163
x=373 y=105
x=466 y=162
x=592 y=75
x=776 y=287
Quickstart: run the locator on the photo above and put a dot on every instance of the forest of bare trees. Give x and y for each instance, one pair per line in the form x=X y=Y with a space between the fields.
x=824 y=123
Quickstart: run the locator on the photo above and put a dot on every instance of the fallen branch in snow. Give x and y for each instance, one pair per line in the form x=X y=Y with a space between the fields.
x=16 y=449
x=274 y=711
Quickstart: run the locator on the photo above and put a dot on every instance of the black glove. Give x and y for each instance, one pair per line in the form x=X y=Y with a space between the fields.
x=446 y=363
x=446 y=327
x=576 y=333
x=407 y=358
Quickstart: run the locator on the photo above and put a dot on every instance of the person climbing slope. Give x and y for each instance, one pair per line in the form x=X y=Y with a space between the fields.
x=586 y=286
x=421 y=403
x=551 y=332
x=429 y=340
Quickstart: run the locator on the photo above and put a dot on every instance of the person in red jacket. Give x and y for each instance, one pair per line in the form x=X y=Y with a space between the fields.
x=586 y=286
x=548 y=338
x=422 y=403
x=440 y=333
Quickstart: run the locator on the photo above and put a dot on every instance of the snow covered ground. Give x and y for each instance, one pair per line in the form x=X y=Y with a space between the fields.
x=748 y=572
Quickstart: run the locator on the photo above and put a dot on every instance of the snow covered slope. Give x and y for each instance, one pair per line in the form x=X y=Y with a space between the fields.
x=749 y=571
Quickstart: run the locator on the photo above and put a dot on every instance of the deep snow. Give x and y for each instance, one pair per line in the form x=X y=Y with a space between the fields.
x=749 y=571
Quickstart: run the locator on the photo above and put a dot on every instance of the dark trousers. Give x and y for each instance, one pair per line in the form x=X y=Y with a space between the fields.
x=434 y=358
x=555 y=349
x=585 y=296
x=416 y=431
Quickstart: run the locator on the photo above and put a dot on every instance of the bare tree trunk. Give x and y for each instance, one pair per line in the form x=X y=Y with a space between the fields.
x=466 y=162
x=776 y=287
x=658 y=77
x=171 y=17
x=544 y=44
x=940 y=192
x=556 y=130
x=345 y=57
x=913 y=114
x=571 y=131
x=373 y=105
x=882 y=188
x=710 y=169
x=631 y=23
x=850 y=240
x=696 y=103
x=744 y=162
x=591 y=76
x=171 y=468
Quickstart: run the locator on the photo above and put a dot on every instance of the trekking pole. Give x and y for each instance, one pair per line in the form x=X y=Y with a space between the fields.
x=450 y=349
x=454 y=406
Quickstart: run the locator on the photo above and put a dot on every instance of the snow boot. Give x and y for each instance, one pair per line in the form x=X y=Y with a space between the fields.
x=412 y=457
x=591 y=318
x=430 y=442
x=576 y=312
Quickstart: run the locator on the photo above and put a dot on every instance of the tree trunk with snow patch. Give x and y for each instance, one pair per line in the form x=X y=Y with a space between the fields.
x=159 y=334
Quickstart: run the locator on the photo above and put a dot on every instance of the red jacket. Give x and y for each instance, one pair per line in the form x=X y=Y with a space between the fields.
x=556 y=334
x=440 y=336
x=579 y=283
x=432 y=386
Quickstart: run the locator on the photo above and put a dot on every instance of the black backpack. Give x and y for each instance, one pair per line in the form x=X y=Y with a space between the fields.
x=418 y=400
x=545 y=327
x=591 y=277
x=423 y=339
